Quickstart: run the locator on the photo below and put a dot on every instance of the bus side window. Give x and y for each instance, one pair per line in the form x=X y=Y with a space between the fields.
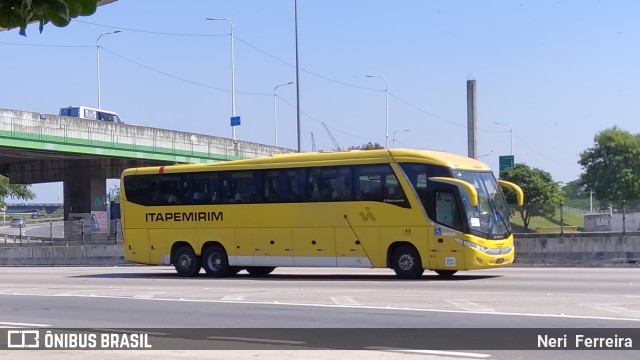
x=140 y=189
x=271 y=186
x=214 y=189
x=314 y=186
x=341 y=184
x=90 y=114
x=288 y=186
x=228 y=191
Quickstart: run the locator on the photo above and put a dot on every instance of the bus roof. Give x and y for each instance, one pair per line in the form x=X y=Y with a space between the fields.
x=293 y=160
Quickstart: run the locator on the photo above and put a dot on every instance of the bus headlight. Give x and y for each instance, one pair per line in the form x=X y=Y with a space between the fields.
x=472 y=245
x=501 y=251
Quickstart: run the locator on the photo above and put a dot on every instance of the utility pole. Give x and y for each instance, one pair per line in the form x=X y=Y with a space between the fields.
x=472 y=119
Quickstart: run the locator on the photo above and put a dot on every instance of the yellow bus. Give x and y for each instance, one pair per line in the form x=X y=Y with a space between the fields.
x=408 y=210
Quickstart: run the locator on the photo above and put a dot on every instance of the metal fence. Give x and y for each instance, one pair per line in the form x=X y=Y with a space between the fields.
x=61 y=233
x=617 y=217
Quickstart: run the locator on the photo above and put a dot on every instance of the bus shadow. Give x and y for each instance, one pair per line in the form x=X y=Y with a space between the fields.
x=288 y=277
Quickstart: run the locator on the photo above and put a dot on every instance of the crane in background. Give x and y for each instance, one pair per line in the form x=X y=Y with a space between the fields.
x=333 y=140
x=313 y=143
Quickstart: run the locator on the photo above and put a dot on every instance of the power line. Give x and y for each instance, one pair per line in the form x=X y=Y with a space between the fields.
x=323 y=77
x=147 y=31
x=541 y=154
x=177 y=77
x=320 y=122
x=320 y=76
x=47 y=46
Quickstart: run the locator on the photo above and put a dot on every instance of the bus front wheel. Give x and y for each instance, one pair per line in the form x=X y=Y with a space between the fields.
x=406 y=262
x=215 y=261
x=186 y=262
x=260 y=270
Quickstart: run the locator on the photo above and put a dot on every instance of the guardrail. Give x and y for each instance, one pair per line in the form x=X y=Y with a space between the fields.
x=62 y=233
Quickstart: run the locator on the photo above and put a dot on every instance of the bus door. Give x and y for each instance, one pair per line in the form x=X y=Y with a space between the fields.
x=447 y=253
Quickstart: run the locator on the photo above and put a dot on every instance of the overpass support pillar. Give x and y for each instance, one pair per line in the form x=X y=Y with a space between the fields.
x=85 y=190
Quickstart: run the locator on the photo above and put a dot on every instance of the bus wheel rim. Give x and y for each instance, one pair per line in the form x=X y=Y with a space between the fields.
x=185 y=261
x=214 y=262
x=406 y=262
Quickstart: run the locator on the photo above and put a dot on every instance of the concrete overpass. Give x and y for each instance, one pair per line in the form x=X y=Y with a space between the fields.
x=40 y=148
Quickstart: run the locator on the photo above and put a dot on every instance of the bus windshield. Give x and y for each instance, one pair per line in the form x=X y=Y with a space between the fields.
x=491 y=216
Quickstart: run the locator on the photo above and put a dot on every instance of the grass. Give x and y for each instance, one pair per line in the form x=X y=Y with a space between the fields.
x=576 y=220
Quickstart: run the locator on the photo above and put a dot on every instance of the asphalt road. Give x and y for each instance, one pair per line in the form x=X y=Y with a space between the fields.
x=154 y=297
x=36 y=229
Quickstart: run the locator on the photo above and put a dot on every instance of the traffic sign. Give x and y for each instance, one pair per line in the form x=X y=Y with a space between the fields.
x=235 y=120
x=505 y=162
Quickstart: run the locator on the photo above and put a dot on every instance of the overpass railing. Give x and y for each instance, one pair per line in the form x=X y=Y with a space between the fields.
x=85 y=136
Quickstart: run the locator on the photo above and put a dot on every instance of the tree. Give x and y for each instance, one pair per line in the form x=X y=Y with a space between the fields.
x=367 y=146
x=541 y=194
x=575 y=190
x=612 y=165
x=13 y=191
x=114 y=193
x=20 y=13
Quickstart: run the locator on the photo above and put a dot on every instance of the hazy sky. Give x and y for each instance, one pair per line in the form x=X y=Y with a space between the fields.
x=558 y=72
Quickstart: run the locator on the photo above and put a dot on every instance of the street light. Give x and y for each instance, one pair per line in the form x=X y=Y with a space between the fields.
x=393 y=142
x=233 y=77
x=98 y=55
x=275 y=109
x=386 y=91
x=490 y=152
x=511 y=133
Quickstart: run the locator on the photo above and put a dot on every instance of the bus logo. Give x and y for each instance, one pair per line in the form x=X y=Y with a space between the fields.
x=368 y=216
x=23 y=339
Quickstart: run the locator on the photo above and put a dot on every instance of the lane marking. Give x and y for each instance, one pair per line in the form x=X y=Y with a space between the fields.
x=12 y=324
x=107 y=330
x=614 y=308
x=233 y=298
x=344 y=300
x=467 y=305
x=272 y=341
x=280 y=303
x=431 y=352
x=147 y=295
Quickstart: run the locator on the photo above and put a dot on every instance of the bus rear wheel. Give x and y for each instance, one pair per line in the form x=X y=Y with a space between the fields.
x=259 y=271
x=215 y=261
x=186 y=262
x=406 y=262
x=446 y=273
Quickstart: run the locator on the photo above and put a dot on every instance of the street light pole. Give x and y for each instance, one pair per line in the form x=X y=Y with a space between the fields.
x=275 y=107
x=386 y=91
x=510 y=132
x=393 y=142
x=298 y=123
x=98 y=56
x=233 y=76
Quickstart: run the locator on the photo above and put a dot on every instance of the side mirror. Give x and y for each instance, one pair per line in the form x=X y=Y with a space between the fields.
x=514 y=187
x=471 y=191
